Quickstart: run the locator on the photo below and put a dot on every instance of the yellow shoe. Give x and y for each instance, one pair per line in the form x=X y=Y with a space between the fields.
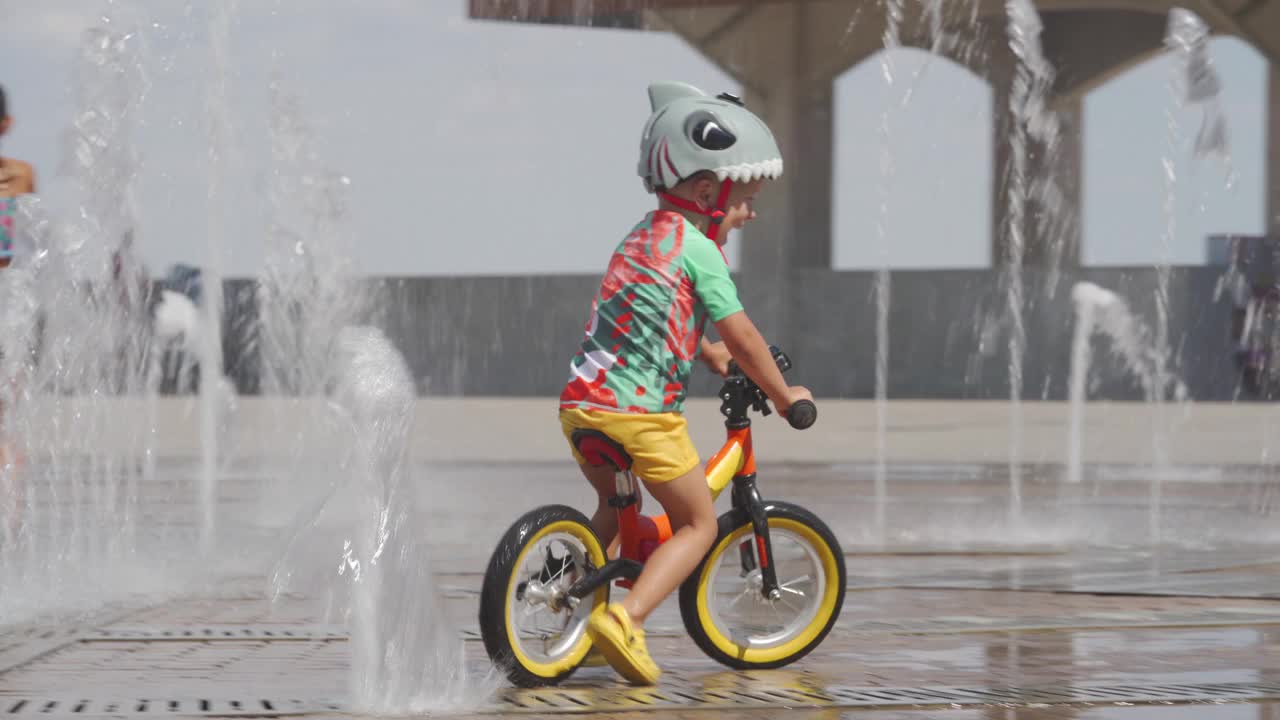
x=622 y=645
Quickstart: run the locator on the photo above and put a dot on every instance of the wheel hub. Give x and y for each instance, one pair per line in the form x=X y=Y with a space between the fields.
x=554 y=594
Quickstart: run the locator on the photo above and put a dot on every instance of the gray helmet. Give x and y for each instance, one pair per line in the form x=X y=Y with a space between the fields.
x=689 y=132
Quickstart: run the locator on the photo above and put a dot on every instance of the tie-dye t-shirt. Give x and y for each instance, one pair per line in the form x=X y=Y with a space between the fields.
x=664 y=281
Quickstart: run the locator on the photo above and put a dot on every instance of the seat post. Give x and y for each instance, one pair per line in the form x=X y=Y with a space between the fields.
x=628 y=517
x=625 y=483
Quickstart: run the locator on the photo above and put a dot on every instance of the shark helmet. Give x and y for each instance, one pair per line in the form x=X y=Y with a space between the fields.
x=690 y=132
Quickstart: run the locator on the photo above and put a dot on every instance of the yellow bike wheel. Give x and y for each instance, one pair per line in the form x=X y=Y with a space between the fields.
x=727 y=615
x=531 y=627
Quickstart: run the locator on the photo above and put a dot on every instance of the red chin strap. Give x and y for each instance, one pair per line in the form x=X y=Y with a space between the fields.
x=716 y=214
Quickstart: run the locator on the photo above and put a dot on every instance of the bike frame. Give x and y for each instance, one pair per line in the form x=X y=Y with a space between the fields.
x=639 y=535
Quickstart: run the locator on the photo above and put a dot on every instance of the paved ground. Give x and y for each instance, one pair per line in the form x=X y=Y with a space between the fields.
x=1081 y=601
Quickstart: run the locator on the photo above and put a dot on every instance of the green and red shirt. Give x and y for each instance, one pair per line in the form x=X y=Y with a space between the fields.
x=664 y=281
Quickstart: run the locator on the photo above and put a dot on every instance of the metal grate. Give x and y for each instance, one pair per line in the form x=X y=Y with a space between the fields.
x=21 y=644
x=263 y=633
x=185 y=633
x=26 y=644
x=676 y=696
x=45 y=707
x=590 y=701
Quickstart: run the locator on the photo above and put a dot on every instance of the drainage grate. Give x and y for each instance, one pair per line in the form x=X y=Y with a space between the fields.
x=262 y=633
x=21 y=644
x=26 y=644
x=678 y=695
x=591 y=701
x=23 y=707
x=185 y=633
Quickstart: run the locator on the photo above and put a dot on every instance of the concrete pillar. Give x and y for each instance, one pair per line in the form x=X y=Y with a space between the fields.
x=1273 y=151
x=793 y=227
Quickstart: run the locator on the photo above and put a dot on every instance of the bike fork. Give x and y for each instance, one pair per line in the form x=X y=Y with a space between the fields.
x=747 y=497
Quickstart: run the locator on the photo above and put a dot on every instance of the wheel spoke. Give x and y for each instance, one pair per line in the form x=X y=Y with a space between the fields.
x=783 y=599
x=787 y=585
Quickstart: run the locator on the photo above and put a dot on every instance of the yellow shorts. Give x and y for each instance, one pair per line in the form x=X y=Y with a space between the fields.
x=658 y=443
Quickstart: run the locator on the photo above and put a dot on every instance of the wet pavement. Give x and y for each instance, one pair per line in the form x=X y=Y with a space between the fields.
x=1084 y=601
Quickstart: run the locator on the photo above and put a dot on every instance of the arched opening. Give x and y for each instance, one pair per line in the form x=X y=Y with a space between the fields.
x=936 y=206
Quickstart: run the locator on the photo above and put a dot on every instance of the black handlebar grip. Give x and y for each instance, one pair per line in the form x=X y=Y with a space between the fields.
x=802 y=414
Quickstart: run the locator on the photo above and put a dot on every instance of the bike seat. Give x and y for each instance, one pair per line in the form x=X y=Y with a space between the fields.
x=600 y=449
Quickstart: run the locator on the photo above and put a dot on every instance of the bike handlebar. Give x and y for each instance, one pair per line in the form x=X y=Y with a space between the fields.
x=802 y=415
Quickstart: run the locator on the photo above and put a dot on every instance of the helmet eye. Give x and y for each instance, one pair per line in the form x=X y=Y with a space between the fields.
x=707 y=132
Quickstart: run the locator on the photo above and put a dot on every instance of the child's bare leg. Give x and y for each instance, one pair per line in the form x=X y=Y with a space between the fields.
x=605 y=519
x=692 y=514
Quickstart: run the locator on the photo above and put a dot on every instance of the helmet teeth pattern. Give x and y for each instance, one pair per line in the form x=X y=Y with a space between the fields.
x=746 y=172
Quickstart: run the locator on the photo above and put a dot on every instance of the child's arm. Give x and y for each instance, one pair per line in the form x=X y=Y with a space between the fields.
x=714 y=287
x=26 y=177
x=715 y=356
x=752 y=353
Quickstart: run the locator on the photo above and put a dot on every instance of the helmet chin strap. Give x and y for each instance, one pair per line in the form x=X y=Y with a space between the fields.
x=716 y=213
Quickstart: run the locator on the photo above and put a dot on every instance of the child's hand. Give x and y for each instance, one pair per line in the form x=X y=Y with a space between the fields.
x=795 y=394
x=716 y=356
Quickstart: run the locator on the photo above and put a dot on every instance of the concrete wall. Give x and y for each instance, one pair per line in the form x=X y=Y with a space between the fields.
x=514 y=336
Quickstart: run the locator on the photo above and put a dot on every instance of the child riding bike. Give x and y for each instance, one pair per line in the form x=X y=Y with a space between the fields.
x=705 y=158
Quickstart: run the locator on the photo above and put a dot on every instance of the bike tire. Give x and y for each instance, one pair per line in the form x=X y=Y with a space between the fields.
x=734 y=528
x=498 y=596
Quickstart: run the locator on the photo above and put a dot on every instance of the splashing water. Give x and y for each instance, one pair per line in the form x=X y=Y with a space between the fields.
x=1101 y=311
x=406 y=657
x=1193 y=80
x=1088 y=299
x=941 y=42
x=1031 y=82
x=73 y=453
x=220 y=131
x=893 y=18
x=1196 y=82
x=307 y=288
x=306 y=292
